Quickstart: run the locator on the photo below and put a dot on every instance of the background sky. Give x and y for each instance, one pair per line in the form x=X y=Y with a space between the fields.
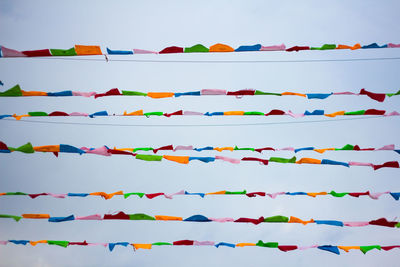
x=153 y=25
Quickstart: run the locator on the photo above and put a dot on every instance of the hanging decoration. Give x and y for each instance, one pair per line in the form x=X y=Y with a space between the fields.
x=105 y=151
x=201 y=218
x=285 y=248
x=16 y=91
x=54 y=148
x=140 y=113
x=104 y=195
x=95 y=50
x=85 y=50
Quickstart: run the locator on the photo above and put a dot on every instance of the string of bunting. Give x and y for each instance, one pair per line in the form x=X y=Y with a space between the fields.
x=201 y=218
x=92 y=50
x=27 y=148
x=105 y=151
x=80 y=50
x=56 y=148
x=140 y=113
x=104 y=195
x=16 y=91
x=285 y=248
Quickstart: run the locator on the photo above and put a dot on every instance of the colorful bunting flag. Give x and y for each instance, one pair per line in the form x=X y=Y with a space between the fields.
x=201 y=218
x=89 y=50
x=16 y=91
x=105 y=151
x=274 y=112
x=136 y=246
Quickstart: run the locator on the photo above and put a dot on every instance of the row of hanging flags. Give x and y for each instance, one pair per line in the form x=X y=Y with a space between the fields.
x=28 y=148
x=104 y=195
x=16 y=91
x=105 y=151
x=285 y=248
x=201 y=218
x=83 y=50
x=141 y=113
x=91 y=50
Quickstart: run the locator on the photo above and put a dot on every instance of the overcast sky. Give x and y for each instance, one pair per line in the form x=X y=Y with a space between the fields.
x=154 y=25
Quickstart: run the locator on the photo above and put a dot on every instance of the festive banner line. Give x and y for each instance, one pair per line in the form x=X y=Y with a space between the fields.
x=105 y=151
x=347 y=147
x=104 y=195
x=16 y=91
x=273 y=112
x=201 y=218
x=260 y=243
x=92 y=50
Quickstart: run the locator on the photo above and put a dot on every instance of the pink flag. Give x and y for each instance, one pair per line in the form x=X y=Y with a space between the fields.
x=141 y=51
x=287 y=148
x=78 y=114
x=390 y=45
x=85 y=94
x=7 y=52
x=98 y=151
x=281 y=47
x=222 y=219
x=355 y=224
x=57 y=195
x=90 y=217
x=183 y=148
x=182 y=192
x=387 y=147
x=213 y=92
x=231 y=160
x=273 y=195
x=290 y=113
x=345 y=93
x=377 y=195
x=353 y=163
x=393 y=113
x=203 y=243
x=192 y=113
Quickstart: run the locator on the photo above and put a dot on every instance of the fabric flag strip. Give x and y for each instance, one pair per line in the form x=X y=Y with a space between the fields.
x=90 y=50
x=201 y=218
x=105 y=151
x=106 y=196
x=274 y=112
x=16 y=91
x=136 y=246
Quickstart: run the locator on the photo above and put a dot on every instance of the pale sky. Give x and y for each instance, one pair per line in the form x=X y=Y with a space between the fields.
x=154 y=25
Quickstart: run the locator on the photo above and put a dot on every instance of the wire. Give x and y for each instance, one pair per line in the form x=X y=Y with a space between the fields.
x=192 y=125
x=216 y=61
